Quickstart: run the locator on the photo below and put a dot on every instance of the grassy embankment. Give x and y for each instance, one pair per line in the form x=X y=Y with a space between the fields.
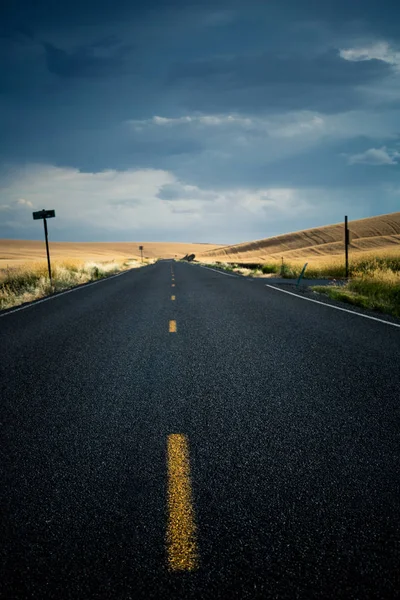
x=30 y=281
x=374 y=280
x=374 y=283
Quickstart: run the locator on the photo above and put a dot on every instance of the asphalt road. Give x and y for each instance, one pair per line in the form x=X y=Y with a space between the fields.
x=290 y=411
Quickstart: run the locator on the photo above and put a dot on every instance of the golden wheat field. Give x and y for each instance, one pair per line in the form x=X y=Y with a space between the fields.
x=18 y=252
x=374 y=235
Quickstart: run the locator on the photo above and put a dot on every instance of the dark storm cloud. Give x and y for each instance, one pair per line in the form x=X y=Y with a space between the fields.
x=381 y=16
x=28 y=16
x=323 y=82
x=23 y=12
x=84 y=62
x=326 y=69
x=74 y=74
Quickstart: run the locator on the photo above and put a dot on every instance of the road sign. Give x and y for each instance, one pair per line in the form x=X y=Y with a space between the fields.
x=44 y=214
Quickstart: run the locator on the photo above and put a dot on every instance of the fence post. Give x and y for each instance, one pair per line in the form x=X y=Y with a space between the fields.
x=301 y=275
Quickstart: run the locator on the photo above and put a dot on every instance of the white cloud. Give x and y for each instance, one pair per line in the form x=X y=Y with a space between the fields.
x=304 y=126
x=23 y=202
x=109 y=198
x=150 y=199
x=16 y=204
x=218 y=139
x=210 y=120
x=277 y=201
x=313 y=124
x=375 y=156
x=288 y=125
x=280 y=200
x=377 y=51
x=165 y=121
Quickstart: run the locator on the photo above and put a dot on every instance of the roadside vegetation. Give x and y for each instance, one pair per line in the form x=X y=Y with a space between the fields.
x=377 y=290
x=30 y=281
x=322 y=268
x=374 y=279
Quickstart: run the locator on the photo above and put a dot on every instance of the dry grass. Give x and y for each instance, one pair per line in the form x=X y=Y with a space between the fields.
x=329 y=267
x=334 y=267
x=377 y=290
x=28 y=282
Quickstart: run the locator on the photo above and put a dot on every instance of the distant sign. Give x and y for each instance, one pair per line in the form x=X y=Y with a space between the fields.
x=44 y=214
x=140 y=247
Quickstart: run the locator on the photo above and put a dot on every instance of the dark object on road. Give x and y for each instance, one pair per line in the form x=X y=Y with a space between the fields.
x=189 y=257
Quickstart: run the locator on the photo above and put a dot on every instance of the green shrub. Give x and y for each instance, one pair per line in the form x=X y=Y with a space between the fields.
x=287 y=271
x=270 y=268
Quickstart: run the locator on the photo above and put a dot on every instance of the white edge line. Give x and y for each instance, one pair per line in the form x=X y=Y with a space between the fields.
x=352 y=312
x=75 y=289
x=217 y=271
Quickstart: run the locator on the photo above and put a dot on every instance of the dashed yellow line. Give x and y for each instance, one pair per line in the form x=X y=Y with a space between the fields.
x=172 y=285
x=172 y=297
x=172 y=326
x=181 y=532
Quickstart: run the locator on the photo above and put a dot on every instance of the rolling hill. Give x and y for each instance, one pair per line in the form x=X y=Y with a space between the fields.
x=374 y=234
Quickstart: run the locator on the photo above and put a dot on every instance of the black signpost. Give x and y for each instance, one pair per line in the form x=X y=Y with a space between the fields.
x=45 y=214
x=141 y=251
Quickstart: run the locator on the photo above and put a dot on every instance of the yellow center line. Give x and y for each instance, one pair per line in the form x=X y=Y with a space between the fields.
x=181 y=532
x=172 y=285
x=172 y=326
x=172 y=297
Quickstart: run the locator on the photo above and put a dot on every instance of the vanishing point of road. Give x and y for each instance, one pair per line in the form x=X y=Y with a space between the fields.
x=173 y=432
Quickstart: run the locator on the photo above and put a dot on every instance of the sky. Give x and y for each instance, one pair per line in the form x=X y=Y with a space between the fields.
x=197 y=121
